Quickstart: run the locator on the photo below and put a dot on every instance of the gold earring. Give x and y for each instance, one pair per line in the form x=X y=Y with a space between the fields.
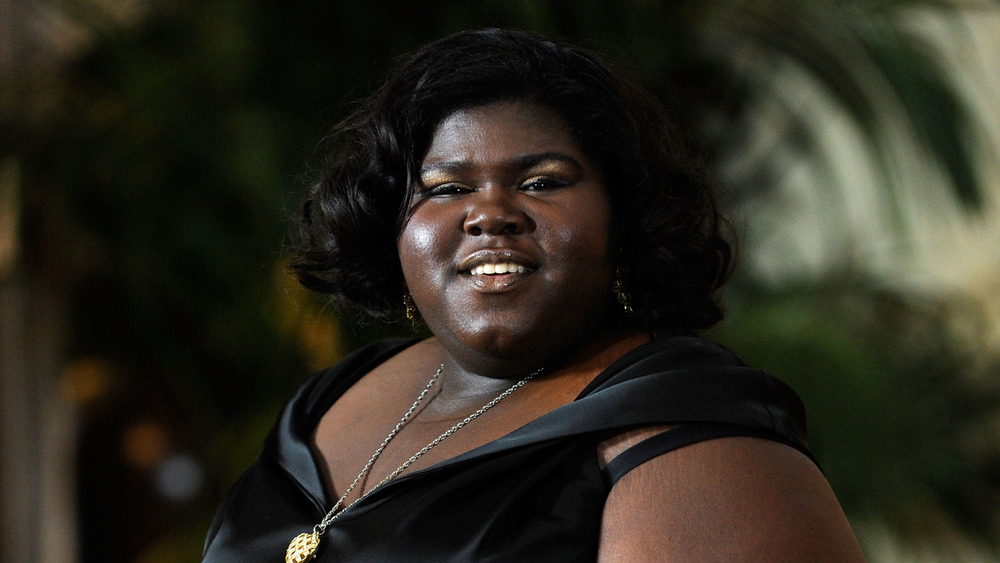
x=410 y=308
x=618 y=287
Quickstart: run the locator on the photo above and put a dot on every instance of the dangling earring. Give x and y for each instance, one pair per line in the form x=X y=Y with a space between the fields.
x=410 y=308
x=618 y=287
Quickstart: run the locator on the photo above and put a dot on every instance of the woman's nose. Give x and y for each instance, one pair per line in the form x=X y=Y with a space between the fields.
x=494 y=212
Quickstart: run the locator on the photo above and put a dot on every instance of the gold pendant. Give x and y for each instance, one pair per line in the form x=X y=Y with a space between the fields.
x=302 y=548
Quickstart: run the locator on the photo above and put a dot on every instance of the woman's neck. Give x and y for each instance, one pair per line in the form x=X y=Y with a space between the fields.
x=461 y=387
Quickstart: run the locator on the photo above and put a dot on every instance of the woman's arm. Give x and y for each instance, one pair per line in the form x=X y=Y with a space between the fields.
x=728 y=499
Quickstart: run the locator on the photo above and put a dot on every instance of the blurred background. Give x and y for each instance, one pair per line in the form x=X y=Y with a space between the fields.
x=151 y=154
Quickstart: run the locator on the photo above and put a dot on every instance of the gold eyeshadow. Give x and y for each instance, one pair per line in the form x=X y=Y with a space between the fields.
x=435 y=177
x=557 y=168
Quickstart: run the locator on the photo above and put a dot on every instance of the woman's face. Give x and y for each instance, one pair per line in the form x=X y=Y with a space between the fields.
x=507 y=248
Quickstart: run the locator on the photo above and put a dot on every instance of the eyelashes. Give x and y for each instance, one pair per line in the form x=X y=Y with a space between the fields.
x=540 y=183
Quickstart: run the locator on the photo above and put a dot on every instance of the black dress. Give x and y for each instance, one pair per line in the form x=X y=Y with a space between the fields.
x=536 y=494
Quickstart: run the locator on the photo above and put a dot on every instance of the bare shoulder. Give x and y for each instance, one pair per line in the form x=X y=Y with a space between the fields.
x=728 y=499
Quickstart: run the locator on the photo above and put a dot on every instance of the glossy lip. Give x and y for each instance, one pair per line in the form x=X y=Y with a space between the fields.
x=495 y=283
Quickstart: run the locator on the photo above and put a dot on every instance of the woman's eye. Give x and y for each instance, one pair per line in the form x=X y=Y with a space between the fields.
x=543 y=183
x=445 y=189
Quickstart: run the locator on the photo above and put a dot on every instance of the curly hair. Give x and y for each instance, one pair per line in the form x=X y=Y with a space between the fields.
x=674 y=242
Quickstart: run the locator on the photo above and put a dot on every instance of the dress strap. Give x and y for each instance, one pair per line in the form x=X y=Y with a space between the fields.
x=685 y=435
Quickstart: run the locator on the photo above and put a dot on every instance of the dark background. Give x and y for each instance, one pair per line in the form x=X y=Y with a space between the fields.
x=151 y=155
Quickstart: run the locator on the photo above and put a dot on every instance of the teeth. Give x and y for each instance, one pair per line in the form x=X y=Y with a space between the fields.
x=501 y=268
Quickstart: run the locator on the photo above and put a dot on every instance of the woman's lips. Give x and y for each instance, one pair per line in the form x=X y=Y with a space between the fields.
x=496 y=283
x=495 y=261
x=490 y=269
x=496 y=270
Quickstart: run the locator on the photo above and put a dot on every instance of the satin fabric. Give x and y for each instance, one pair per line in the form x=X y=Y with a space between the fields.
x=535 y=494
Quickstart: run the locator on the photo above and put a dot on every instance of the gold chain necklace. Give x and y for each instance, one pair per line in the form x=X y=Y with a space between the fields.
x=303 y=547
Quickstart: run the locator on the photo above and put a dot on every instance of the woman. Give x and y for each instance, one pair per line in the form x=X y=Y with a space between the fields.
x=538 y=214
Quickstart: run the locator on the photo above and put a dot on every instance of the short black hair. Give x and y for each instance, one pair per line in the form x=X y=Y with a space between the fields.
x=675 y=245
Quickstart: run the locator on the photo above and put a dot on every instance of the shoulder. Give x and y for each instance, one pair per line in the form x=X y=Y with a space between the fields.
x=337 y=378
x=680 y=379
x=670 y=352
x=313 y=398
x=726 y=476
x=729 y=499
